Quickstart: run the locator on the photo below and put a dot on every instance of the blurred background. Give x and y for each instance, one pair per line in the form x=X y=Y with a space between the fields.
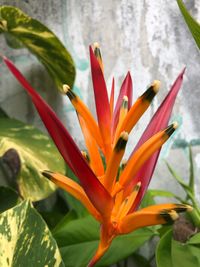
x=148 y=38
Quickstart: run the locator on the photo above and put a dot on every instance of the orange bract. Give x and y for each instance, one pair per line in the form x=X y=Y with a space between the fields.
x=111 y=194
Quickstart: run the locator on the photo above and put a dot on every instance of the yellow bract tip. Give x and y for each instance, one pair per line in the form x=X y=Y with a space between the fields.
x=175 y=125
x=156 y=85
x=125 y=98
x=124 y=135
x=124 y=161
x=173 y=214
x=189 y=208
x=96 y=45
x=66 y=88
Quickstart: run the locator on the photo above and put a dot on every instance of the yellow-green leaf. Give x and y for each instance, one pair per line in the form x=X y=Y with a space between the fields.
x=25 y=240
x=22 y=30
x=192 y=24
x=37 y=153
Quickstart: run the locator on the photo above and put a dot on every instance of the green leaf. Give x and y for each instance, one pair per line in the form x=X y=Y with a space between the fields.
x=171 y=253
x=78 y=240
x=161 y=193
x=37 y=153
x=25 y=239
x=191 y=180
x=8 y=198
x=194 y=240
x=20 y=29
x=178 y=178
x=185 y=255
x=163 y=251
x=192 y=24
x=147 y=200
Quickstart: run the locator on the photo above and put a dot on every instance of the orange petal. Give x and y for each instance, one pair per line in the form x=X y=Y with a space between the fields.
x=85 y=113
x=127 y=203
x=122 y=116
x=152 y=215
x=143 y=153
x=74 y=189
x=95 y=157
x=114 y=161
x=106 y=238
x=140 y=106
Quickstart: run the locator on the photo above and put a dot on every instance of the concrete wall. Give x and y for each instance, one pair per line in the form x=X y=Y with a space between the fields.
x=149 y=38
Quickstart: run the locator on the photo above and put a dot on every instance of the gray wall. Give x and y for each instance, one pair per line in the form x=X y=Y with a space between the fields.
x=149 y=38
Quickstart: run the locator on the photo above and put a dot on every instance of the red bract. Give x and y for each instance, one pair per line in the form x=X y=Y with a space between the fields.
x=112 y=194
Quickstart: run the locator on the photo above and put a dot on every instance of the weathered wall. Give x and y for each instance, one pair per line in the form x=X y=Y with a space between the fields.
x=149 y=38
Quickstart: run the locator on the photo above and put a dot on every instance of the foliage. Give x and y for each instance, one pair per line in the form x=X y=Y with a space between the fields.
x=192 y=24
x=20 y=30
x=81 y=238
x=171 y=253
x=27 y=241
x=25 y=151
x=36 y=152
x=171 y=250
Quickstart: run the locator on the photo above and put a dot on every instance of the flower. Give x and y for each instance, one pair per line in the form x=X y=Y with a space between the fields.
x=112 y=195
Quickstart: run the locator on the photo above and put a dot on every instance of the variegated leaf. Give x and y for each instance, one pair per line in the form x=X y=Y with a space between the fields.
x=21 y=30
x=25 y=240
x=37 y=153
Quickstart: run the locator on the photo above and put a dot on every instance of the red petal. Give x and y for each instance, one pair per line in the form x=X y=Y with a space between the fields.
x=159 y=121
x=101 y=98
x=67 y=147
x=126 y=89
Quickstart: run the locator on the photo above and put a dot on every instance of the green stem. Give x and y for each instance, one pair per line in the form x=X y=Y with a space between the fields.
x=195 y=216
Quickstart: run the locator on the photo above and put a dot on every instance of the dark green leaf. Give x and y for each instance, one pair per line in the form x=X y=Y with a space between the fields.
x=192 y=24
x=37 y=153
x=52 y=209
x=25 y=239
x=70 y=216
x=43 y=43
x=10 y=166
x=8 y=198
x=3 y=114
x=163 y=251
x=78 y=240
x=12 y=41
x=140 y=260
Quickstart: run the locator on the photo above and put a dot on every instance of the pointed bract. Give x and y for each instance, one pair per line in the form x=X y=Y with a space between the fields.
x=97 y=194
x=159 y=121
x=101 y=100
x=126 y=90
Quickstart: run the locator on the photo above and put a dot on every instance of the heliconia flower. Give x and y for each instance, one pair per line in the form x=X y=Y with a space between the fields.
x=111 y=194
